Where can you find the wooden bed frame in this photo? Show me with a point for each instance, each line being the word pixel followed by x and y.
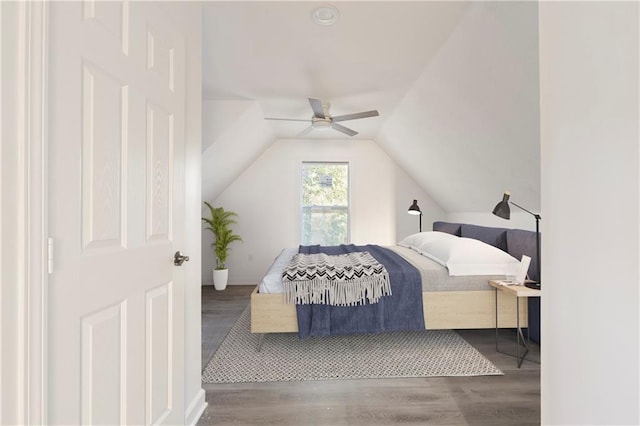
pixel 442 310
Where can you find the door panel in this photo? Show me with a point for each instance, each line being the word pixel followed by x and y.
pixel 104 143
pixel 159 353
pixel 159 172
pixel 116 137
pixel 103 346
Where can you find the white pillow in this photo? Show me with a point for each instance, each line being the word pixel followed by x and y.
pixel 466 256
pixel 416 240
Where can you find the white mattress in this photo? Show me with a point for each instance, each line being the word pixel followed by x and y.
pixel 435 277
pixel 272 281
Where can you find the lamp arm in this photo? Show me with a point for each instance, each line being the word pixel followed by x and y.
pixel 537 216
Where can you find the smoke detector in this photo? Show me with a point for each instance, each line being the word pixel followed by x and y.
pixel 325 15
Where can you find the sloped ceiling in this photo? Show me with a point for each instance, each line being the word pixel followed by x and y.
pixel 469 127
pixel 234 134
pixel 456 85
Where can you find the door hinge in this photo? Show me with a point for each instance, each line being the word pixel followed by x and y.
pixel 50 255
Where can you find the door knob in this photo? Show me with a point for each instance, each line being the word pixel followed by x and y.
pixel 179 259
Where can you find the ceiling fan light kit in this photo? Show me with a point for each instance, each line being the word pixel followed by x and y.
pixel 323 121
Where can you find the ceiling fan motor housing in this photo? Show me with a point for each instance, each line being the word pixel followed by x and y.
pixel 321 123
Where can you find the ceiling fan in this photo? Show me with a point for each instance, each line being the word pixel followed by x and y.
pixel 322 120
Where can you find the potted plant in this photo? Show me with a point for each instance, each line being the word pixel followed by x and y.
pixel 219 223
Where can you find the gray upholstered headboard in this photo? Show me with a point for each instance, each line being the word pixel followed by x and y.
pixel 516 242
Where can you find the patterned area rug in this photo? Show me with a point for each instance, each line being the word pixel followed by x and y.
pixel 284 357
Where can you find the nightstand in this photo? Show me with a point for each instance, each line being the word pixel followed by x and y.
pixel 517 291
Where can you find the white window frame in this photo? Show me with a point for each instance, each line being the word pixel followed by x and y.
pixel 346 208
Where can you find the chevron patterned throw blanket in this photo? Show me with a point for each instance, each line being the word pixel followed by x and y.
pixel 340 280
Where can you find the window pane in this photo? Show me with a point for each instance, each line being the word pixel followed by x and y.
pixel 325 227
pixel 325 203
pixel 325 184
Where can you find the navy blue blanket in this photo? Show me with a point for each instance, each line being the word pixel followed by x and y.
pixel 400 311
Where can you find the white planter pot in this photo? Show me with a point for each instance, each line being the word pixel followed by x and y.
pixel 220 277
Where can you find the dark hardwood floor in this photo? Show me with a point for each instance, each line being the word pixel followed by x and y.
pixel 512 399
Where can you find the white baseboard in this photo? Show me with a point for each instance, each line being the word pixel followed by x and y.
pixel 195 409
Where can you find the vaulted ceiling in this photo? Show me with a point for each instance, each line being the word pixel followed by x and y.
pixel 456 85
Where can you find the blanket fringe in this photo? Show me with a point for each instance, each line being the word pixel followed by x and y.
pixel 338 293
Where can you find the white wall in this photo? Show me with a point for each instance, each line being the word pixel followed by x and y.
pixel 468 128
pixel 234 134
pixel 589 73
pixel 406 191
pixel 267 198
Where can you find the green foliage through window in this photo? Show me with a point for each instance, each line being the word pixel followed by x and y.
pixel 325 203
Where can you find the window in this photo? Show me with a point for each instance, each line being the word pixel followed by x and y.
pixel 325 203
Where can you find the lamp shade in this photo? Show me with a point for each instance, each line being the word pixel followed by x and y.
pixel 414 208
pixel 502 208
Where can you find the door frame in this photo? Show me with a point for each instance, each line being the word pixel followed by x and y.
pixel 24 397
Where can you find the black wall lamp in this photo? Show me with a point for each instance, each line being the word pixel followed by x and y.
pixel 502 210
pixel 414 209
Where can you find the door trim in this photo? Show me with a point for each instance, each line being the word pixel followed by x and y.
pixel 24 229
pixel 32 207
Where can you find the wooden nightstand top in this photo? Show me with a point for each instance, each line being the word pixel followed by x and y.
pixel 516 290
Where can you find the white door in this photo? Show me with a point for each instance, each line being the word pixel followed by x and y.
pixel 116 118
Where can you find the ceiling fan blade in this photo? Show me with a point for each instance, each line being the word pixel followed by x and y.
pixel 304 132
pixel 288 119
pixel 356 115
pixel 316 106
pixel 345 130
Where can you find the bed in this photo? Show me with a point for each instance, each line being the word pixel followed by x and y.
pixel 458 306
